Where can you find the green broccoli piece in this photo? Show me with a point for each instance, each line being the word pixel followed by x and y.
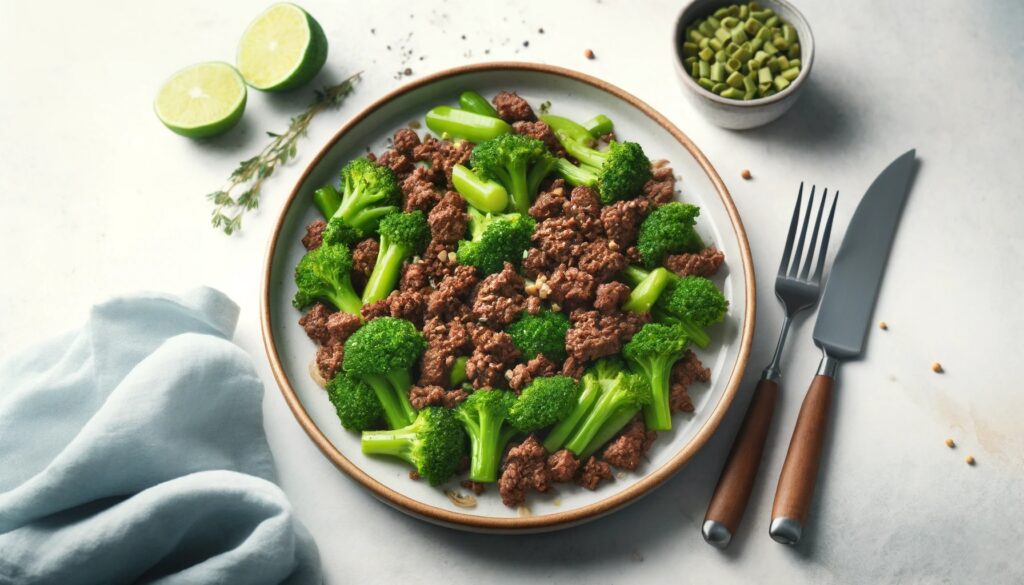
pixel 618 395
pixel 619 172
pixel 369 192
pixel 380 353
pixel 325 273
pixel 356 402
pixel 654 350
pixel 402 235
pixel 691 302
pixel 485 417
pixel 543 333
pixel 544 402
pixel 517 162
pixel 494 240
pixel 485 195
pixel 433 444
pixel 668 230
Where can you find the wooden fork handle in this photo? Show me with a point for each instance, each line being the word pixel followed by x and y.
pixel 800 471
pixel 729 501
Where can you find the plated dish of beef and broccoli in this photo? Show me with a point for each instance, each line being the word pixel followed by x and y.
pixel 509 300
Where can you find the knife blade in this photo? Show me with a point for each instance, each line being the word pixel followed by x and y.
pixel 840 330
pixel 856 275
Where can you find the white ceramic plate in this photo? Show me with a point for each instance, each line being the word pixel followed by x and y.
pixel 577 96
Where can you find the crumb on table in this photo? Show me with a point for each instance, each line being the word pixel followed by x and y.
pixel 950 443
pixel 589 54
pixel 746 174
pixel 883 325
pixel 969 460
pixel 937 367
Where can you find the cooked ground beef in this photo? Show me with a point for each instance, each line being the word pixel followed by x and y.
pixel 499 298
pixel 405 141
pixel 364 258
pixel 523 374
pixel 540 131
pixel 414 278
pixel 329 358
pixel 314 234
pixel 314 322
pixel 524 470
pixel 473 486
pixel 621 220
pixel 626 450
pixel 340 325
pixel 493 355
pixel 594 334
pixel 571 288
pixel 408 305
pixel 533 305
pixel 600 260
pixel 448 300
pixel 661 188
pixel 424 396
pixel 573 367
pixel 562 466
pixel 401 164
pixel 439 260
pixel 419 191
pixel 593 472
pixel 685 372
pixel 448 219
pixel 583 204
pixel 610 297
pixel 513 108
pixel 550 202
pixel 703 263
pixel 441 156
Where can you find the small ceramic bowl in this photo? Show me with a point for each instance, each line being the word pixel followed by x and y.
pixel 743 114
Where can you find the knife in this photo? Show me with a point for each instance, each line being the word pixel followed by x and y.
pixel 840 330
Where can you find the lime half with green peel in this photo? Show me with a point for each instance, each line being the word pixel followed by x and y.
pixel 201 100
pixel 282 49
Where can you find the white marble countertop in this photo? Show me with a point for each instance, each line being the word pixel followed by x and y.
pixel 98 198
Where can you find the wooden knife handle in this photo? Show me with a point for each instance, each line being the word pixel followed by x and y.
pixel 737 480
pixel 800 471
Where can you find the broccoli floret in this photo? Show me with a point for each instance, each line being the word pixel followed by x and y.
pixel 380 353
pixel 668 230
pixel 356 403
pixel 484 415
pixel 369 192
pixel 653 350
pixel 402 235
pixel 691 302
pixel 617 396
pixel 325 274
pixel 433 443
pixel 494 240
pixel 517 162
pixel 543 333
pixel 619 172
pixel 544 402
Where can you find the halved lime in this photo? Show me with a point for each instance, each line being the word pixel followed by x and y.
pixel 201 100
pixel 282 49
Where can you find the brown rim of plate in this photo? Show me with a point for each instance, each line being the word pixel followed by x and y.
pixel 522 523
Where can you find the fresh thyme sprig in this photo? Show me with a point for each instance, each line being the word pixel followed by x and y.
pixel 251 173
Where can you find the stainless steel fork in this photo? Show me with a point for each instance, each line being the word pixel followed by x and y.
pixel 797 288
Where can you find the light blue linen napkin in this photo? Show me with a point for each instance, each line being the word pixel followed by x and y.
pixel 133 450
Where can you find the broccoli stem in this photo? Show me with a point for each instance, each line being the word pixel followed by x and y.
pixel 398 411
pixel 695 333
pixel 487 196
pixel 458 373
pixel 599 125
pixel 646 292
pixel 609 429
pixel 471 101
pixel 519 195
pixel 486 443
pixel 657 413
pixel 560 433
pixel 327 200
pixel 540 170
pixel 385 272
pixel 466 125
pixel 568 129
pixel 607 405
pixel 574 175
pixel 345 298
pixel 396 443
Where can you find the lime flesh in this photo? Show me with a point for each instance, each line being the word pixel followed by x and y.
pixel 201 100
pixel 282 49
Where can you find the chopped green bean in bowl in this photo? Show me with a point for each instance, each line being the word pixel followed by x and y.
pixel 742 64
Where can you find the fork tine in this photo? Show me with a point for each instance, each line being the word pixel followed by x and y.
pixel 803 234
pixel 814 236
pixel 784 265
pixel 824 240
